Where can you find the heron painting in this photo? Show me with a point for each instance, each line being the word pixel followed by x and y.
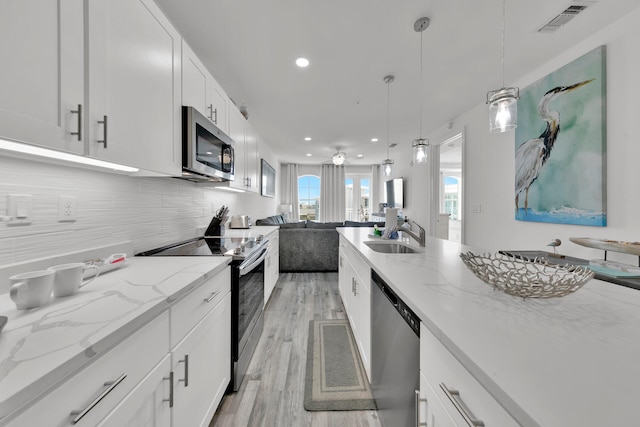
pixel 560 145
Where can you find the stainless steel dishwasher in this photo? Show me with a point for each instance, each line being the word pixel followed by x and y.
pixel 395 356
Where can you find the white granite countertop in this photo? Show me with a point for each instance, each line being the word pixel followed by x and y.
pixel 42 346
pixel 557 362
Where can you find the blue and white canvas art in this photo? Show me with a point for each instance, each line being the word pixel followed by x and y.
pixel 560 145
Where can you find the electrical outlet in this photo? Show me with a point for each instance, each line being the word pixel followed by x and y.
pixel 67 209
pixel 476 208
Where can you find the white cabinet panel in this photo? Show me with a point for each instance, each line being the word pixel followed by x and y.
pixel 354 281
pixel 148 405
pixel 134 69
pixel 469 398
pixel 112 376
pixel 272 266
pixel 190 310
pixel 42 72
pixel 202 367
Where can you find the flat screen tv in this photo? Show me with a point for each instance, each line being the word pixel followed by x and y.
pixel 394 189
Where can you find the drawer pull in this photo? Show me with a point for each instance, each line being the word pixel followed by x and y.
pixel 186 370
pixel 170 399
pixel 460 406
pixel 79 113
pixel 110 385
pixel 211 297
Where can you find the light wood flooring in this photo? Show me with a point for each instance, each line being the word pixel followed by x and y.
pixel 272 393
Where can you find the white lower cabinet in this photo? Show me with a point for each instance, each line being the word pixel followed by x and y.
pixel 453 396
pixel 354 282
pixel 201 363
pixel 149 404
pixel 93 392
pixel 272 266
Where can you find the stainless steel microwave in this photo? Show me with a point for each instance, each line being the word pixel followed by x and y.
pixel 207 152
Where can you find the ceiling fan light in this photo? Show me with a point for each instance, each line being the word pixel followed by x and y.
pixel 420 150
pixel 338 158
pixel 387 165
pixel 503 109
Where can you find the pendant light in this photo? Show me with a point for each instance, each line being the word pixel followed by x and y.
pixel 387 164
pixel 503 103
pixel 420 145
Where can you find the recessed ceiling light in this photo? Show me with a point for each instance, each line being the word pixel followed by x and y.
pixel 307 139
pixel 374 139
pixel 360 156
pixel 308 154
pixel 302 62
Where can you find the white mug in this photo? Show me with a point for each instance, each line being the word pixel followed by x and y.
pixel 32 289
pixel 68 278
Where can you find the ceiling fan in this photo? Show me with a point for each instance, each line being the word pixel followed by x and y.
pixel 338 158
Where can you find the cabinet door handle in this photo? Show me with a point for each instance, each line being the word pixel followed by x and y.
pixel 355 287
pixel 340 262
pixel 418 401
pixel 78 111
pixel 210 108
pixel 460 407
pixel 215 111
pixel 104 123
pixel 170 399
pixel 109 386
pixel 186 370
pixel 211 297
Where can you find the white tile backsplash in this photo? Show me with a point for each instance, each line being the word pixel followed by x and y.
pixel 112 208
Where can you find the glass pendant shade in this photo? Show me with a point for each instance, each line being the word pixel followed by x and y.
pixel 386 167
pixel 503 109
pixel 420 147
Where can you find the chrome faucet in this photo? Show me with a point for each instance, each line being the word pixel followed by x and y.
pixel 421 238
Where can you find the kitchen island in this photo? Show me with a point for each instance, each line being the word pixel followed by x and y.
pixel 42 347
pixel 547 362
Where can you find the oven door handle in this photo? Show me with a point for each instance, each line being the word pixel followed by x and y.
pixel 244 269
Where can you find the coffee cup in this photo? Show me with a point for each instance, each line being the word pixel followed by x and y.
pixel 32 289
pixel 69 278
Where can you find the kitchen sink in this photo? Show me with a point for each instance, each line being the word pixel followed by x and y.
pixel 391 247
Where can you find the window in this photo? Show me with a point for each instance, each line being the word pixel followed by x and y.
pixel 358 197
pixel 309 197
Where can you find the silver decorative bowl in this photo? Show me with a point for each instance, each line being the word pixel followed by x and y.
pixel 527 279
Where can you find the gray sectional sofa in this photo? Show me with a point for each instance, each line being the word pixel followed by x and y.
pixel 309 245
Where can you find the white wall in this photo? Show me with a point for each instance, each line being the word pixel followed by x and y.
pixel 111 208
pixel 256 205
pixel 489 158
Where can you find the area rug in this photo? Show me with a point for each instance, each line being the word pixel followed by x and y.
pixel 336 379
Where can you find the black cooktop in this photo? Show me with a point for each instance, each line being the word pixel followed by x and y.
pixel 200 246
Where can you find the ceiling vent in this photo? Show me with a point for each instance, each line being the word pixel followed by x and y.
pixel 574 8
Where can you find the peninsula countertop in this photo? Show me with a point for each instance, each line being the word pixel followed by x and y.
pixel 42 346
pixel 568 361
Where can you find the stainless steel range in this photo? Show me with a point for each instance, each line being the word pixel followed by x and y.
pixel 247 290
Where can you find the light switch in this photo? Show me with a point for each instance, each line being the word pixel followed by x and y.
pixel 19 209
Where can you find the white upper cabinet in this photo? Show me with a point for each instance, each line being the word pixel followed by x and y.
pixel 237 128
pixel 134 115
pixel 201 91
pixel 42 72
pixel 252 162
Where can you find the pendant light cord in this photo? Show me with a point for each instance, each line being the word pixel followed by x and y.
pixel 388 116
pixel 504 13
pixel 421 85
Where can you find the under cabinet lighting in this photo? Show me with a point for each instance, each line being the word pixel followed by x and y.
pixel 235 190
pixel 17 147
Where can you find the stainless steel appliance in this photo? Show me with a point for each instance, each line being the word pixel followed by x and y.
pixel 395 356
pixel 207 152
pixel 247 290
pixel 240 221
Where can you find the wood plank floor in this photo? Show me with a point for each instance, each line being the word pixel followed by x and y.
pixel 272 393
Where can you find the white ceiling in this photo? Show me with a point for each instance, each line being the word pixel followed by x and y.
pixel 340 100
